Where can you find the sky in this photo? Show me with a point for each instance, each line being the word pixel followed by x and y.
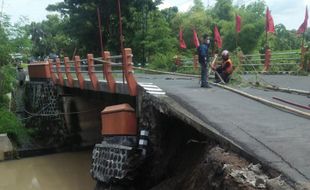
pixel 288 12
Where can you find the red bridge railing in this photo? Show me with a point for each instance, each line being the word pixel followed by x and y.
pixel 104 66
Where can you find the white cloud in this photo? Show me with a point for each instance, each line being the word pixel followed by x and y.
pixel 33 9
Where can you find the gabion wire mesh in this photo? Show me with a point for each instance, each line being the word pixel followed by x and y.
pixel 110 162
pixel 43 108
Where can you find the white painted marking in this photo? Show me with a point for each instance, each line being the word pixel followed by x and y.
pixel 154 89
pixel 150 86
pixel 156 93
pixel 145 83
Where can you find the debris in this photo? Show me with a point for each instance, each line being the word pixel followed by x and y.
pixel 278 184
pixel 251 175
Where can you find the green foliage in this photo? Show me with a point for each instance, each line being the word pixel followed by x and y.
pixel 5 47
pixel 12 126
pixel 50 36
pixel 162 61
pixel 223 10
pixel 7 81
pixel 151 32
pixel 159 37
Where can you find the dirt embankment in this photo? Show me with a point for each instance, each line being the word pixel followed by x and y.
pixel 180 157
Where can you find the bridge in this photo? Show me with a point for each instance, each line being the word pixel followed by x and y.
pixel 246 120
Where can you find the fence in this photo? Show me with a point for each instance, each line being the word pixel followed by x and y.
pixel 256 63
pixel 106 65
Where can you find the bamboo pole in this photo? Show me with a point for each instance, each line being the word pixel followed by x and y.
pixel 287 90
pixel 217 74
pixel 291 103
pixel 267 102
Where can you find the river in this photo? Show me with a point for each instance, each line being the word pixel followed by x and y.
pixel 64 171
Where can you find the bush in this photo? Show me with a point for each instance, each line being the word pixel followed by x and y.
pixel 163 62
pixel 7 82
pixel 12 126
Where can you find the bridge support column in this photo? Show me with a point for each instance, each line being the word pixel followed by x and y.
pixel 116 156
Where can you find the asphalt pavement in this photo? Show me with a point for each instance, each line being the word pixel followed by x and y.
pixel 275 137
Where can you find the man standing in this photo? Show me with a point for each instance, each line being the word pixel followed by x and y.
pixel 225 69
pixel 20 91
pixel 203 59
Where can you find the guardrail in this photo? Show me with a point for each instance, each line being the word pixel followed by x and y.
pixel 102 65
pixel 270 60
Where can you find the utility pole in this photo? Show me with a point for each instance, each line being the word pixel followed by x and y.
pixel 144 24
pixel 121 36
pixel 1 15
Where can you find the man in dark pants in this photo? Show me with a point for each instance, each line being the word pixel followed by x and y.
pixel 203 59
pixel 225 69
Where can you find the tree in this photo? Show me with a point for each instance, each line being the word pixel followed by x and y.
pixel 223 10
pixel 160 38
pixel 83 26
pixel 49 36
pixel 20 41
pixel 5 46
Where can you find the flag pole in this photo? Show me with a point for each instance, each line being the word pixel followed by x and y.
pixel 266 26
pixel 237 35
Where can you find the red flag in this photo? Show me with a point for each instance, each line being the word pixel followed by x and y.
pixel 238 23
pixel 195 38
pixel 304 25
pixel 182 42
pixel 269 22
pixel 217 37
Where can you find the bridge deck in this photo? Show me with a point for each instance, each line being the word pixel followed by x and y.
pixel 274 137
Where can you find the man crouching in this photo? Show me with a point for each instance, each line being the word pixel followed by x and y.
pixel 225 69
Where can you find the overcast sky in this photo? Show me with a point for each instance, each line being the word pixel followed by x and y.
pixel 289 12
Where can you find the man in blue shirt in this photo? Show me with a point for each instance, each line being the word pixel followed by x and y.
pixel 203 60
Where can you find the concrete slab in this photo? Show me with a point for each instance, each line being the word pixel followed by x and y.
pixel 6 147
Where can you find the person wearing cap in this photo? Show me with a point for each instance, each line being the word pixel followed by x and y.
pixel 21 75
pixel 225 69
pixel 203 59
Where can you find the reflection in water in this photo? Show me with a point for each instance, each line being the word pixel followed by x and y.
pixel 65 171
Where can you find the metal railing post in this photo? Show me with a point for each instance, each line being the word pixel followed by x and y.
pixel 128 71
pixel 79 75
pixel 68 74
pixel 54 78
pixel 107 71
pixel 59 72
pixel 91 73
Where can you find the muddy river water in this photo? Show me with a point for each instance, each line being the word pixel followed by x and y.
pixel 64 171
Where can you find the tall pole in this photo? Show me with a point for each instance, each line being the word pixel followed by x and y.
pixel 266 38
pixel 237 39
pixel 143 34
pixel 100 32
pixel 121 33
pixel 237 33
pixel 303 51
pixel 2 5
